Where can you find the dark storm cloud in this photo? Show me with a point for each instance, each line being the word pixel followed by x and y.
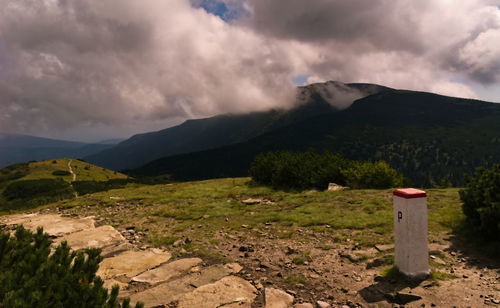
pixel 448 34
pixel 123 63
pixel 380 23
pixel 73 63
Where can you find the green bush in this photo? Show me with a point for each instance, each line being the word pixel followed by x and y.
pixel 378 175
pixel 90 187
pixel 40 191
pixel 33 276
pixel 14 172
pixel 61 173
pixel 481 201
pixel 289 170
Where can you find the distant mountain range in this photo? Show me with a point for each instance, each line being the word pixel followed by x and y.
pixel 210 133
pixel 434 140
pixel 21 148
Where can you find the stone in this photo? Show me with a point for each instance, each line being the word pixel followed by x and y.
pixel 234 268
pixel 383 248
pixel 351 257
pixel 439 261
pixel 167 271
pixel 405 296
pixel 105 237
pixel 131 263
pixel 252 201
pixel 322 304
pixel 53 224
pixel 303 305
pixel 228 292
pixel 335 187
pixel 276 298
pixel 169 291
pixel 178 243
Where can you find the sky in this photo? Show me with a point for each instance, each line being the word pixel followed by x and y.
pixel 98 69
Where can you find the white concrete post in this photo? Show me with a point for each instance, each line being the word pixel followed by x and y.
pixel 410 232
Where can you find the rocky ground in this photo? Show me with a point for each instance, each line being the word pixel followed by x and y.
pixel 268 270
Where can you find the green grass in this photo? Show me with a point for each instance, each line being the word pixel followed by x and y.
pixel 392 272
pixel 201 209
pixel 295 279
pixel 84 171
pixel 437 275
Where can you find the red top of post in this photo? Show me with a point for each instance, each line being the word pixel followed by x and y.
pixel 410 193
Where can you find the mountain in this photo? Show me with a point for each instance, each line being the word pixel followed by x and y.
pixel 22 148
pixel 222 130
pixel 434 140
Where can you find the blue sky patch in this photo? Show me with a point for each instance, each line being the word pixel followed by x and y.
pixel 300 80
pixel 219 8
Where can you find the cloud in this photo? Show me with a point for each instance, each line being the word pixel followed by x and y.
pixel 119 62
pixel 448 37
pixel 140 65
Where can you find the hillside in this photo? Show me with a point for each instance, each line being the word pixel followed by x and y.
pixel 21 148
pixel 214 132
pixel 48 179
pixel 432 139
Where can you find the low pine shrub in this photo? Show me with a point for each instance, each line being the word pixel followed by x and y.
pixel 14 172
pixel 287 170
pixel 39 191
pixel 61 173
pixel 33 276
pixel 481 201
pixel 378 175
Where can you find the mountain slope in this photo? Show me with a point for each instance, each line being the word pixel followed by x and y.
pixel 47 181
pixel 22 148
pixel 214 132
pixel 432 139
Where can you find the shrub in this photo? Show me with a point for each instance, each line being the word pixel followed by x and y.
pixel 33 276
pixel 61 173
pixel 481 201
pixel 298 170
pixel 14 172
pixel 40 191
pixel 89 187
pixel 378 175
pixel 288 170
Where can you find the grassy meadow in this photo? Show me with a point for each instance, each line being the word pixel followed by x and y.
pixel 200 209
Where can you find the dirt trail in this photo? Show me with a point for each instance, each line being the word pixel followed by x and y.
pixel 71 171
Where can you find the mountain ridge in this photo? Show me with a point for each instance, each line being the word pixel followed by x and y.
pixel 221 130
pixel 433 139
pixel 16 148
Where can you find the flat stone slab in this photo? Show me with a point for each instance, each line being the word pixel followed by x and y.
pixel 167 292
pixel 230 291
pixel 132 263
pixel 167 271
pixel 52 224
pixel 104 237
pixel 276 298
